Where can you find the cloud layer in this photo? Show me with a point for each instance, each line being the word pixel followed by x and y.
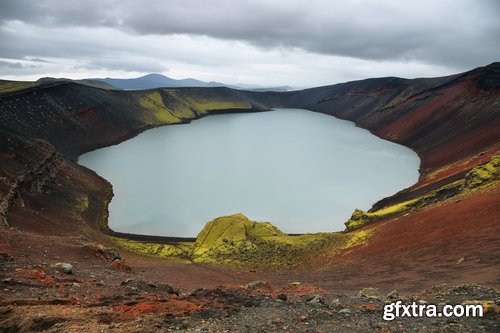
pixel 235 40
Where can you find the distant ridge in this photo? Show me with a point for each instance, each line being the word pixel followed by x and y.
pixel 152 81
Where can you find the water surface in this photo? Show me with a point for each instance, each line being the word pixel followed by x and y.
pixel 303 171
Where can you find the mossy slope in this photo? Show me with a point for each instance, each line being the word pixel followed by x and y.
pixel 174 250
pixel 477 177
pixel 236 240
pixel 223 235
pixel 483 174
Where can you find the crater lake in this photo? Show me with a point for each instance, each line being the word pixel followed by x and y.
pixel 300 170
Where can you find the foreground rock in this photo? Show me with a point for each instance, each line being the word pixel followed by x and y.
pixel 151 308
pixel 160 296
pixel 64 267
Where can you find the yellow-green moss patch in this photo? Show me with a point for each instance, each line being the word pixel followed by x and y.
pixel 237 240
pixel 477 177
pixel 357 238
pixel 483 174
pixel 186 104
pixel 80 203
pixel 12 86
pixel 159 113
pixel 174 250
pixel 359 218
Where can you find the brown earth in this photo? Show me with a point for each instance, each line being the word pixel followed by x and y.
pixel 53 210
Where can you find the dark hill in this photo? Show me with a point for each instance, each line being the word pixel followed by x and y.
pixel 152 81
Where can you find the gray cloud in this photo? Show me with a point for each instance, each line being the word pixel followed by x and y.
pixel 37 60
pixel 460 33
pixel 134 64
pixel 453 34
pixel 11 65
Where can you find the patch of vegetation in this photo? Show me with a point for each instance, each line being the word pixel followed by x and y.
pixel 204 106
pixel 152 101
pixel 237 240
pixel 478 177
pixel 173 106
pixel 360 218
pixel 188 103
pixel 483 174
pixel 358 238
pixel 223 234
pixel 12 86
pixel 179 250
pixel 80 204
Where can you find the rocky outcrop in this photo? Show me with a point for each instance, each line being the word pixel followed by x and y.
pixel 42 191
pixel 237 240
pixel 225 235
pixel 483 174
pixel 28 166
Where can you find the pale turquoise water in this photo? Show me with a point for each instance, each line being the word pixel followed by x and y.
pixel 303 171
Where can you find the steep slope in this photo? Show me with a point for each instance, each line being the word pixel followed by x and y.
pixel 65 119
pixel 44 192
pixel 424 114
pixel 76 118
pixel 451 122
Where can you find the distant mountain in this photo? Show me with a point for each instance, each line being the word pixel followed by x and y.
pixel 152 81
pixel 264 89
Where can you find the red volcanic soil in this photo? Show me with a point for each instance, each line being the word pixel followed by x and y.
pixel 454 242
pixel 408 253
pixel 451 242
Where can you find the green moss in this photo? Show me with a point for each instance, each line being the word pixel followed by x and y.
pixel 396 208
pixel 173 106
pixel 179 250
pixel 204 106
pixel 12 86
pixel 80 204
pixel 224 234
pixel 202 103
pixel 479 176
pixel 483 174
pixel 237 240
pixel 158 112
pixel 360 218
pixel 358 238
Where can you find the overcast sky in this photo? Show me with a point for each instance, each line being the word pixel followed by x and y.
pixel 264 42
